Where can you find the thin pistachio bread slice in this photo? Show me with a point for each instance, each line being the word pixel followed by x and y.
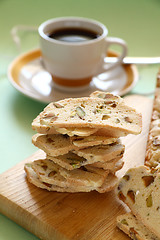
pixel 53 144
pixel 90 155
pixel 113 165
pixel 93 140
pixel 134 228
pixel 106 95
pixel 101 153
pixel 72 161
pixel 116 118
pixel 109 183
pixel 69 161
pixel 51 173
pixel 139 188
pixel 78 131
pixel 35 180
pixel 58 144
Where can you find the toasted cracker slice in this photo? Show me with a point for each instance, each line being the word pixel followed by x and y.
pixel 78 131
pixel 55 145
pixel 69 161
pixel 83 142
pixel 90 155
pixel 86 175
pixel 101 153
pixel 45 172
pixel 134 228
pixel 32 177
pixel 43 129
pixel 107 96
pixel 113 165
pixel 109 184
pixel 51 173
pixel 116 118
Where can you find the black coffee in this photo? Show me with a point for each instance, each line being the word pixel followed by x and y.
pixel 73 35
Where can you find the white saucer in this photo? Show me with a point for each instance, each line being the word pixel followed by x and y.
pixel 27 74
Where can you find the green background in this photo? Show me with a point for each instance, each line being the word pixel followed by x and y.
pixel 137 22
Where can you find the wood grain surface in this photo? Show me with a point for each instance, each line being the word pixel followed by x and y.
pixel 76 216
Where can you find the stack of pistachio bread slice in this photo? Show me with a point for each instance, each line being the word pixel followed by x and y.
pixel 81 140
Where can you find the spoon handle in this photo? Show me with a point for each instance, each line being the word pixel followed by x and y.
pixel 135 60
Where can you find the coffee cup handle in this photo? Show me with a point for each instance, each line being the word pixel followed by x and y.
pixel 111 41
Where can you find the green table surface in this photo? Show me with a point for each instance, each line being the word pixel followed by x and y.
pixel 137 22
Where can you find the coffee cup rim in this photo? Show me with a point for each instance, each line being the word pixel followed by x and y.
pixel 42 34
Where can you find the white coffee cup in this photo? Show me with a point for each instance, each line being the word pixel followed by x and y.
pixel 73 64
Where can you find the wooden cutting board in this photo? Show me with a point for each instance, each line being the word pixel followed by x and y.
pixel 76 216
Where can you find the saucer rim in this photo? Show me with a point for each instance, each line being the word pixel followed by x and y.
pixel 24 58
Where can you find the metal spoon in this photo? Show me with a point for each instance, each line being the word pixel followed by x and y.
pixel 135 60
